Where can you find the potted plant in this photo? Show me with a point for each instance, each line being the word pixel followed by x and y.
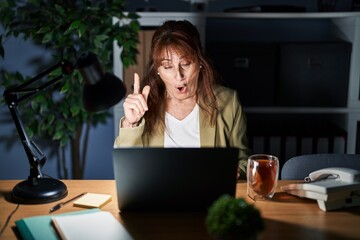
pixel 66 29
pixel 233 218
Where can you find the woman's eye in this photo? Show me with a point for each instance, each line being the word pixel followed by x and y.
pixel 185 64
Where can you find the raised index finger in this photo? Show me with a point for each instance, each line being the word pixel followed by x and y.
pixel 136 83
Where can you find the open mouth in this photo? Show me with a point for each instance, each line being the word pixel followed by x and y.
pixel 182 89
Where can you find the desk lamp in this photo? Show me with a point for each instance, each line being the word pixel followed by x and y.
pixel 100 91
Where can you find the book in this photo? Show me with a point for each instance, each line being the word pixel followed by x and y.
pixel 258 144
pixel 339 144
pixel 275 145
pixel 96 225
pixel 41 228
pixel 92 200
pixel 290 147
pixel 306 146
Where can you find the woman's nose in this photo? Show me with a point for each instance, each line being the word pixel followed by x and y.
pixel 179 75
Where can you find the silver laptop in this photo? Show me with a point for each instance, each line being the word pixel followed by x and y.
pixel 173 179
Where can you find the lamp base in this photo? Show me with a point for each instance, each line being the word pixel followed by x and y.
pixel 44 191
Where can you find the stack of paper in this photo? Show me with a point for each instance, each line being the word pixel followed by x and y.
pixel 93 200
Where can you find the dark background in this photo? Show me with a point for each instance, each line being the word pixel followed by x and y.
pixel 13 161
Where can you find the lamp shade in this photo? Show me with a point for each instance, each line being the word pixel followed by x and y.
pixel 101 90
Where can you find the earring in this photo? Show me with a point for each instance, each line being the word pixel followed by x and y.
pixel 158 73
pixel 200 66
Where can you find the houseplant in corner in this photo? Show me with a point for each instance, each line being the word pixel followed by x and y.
pixel 66 29
pixel 231 218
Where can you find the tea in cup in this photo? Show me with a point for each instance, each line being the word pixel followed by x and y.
pixel 262 176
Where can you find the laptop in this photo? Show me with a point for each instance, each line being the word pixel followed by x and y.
pixel 173 179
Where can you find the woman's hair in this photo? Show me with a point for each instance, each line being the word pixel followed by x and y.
pixel 183 38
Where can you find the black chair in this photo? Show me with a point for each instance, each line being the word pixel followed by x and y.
pixel 299 167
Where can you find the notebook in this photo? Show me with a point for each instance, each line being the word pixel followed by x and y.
pixel 96 225
pixel 173 179
pixel 41 228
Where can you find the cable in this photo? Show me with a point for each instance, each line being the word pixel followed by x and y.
pixel 8 219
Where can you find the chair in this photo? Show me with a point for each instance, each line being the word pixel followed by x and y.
pixel 299 167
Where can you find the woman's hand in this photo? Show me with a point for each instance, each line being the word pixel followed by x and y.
pixel 135 104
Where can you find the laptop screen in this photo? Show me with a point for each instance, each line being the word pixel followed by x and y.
pixel 173 179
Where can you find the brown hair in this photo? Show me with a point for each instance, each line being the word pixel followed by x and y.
pixel 183 38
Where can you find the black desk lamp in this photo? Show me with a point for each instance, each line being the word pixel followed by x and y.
pixel 101 91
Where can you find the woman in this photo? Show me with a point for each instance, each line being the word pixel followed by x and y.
pixel 179 102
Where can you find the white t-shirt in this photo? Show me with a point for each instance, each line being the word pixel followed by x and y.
pixel 182 133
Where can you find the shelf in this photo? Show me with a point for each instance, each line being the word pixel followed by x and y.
pixel 303 15
pixel 247 15
pixel 301 110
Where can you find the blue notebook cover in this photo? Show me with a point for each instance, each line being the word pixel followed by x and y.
pixel 40 227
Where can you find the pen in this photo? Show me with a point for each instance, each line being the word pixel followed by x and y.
pixel 59 205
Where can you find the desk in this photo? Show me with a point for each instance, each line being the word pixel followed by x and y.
pixel 286 217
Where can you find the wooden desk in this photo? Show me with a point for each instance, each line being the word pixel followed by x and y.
pixel 286 217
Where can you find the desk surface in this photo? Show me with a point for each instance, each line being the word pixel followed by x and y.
pixel 286 217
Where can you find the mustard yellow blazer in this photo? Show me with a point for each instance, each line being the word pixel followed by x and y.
pixel 229 129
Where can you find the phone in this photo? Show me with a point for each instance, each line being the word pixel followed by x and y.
pixel 333 188
pixel 342 174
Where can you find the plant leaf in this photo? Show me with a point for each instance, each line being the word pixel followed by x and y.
pixel 48 37
pixel 75 109
pixel 65 88
pixel 74 25
pixel 58 135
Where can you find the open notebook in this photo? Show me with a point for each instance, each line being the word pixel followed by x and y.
pixel 173 179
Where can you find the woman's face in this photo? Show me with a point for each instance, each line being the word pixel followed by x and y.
pixel 180 75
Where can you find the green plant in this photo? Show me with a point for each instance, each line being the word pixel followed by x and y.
pixel 67 28
pixel 230 217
